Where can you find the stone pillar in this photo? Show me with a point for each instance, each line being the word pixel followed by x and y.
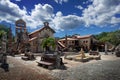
pixel 97 49
pixel 57 60
pixel 106 49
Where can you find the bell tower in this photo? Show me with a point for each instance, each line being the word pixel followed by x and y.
pixel 46 24
pixel 21 35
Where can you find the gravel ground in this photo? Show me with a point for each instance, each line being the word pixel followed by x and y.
pixel 101 70
pixel 106 69
pixel 24 70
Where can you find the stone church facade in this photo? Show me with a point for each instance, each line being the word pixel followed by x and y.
pixel 36 37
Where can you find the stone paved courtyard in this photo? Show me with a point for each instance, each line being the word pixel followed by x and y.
pixel 106 69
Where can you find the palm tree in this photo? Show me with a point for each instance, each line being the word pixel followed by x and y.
pixel 47 43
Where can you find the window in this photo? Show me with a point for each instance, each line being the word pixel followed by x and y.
pixel 72 41
pixel 83 41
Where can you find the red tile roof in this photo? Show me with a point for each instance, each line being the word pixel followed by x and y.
pixel 82 37
pixel 71 39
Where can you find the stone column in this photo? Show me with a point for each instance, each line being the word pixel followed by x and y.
pixel 106 53
pixel 57 60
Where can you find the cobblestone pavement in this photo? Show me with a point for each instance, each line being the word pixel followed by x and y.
pixel 106 69
pixel 24 70
pixel 101 70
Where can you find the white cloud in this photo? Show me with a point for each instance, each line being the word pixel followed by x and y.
pixel 10 11
pixel 38 15
pixel 42 12
pixel 79 7
pixel 86 2
pixel 66 22
pixel 18 0
pixel 60 1
pixel 102 12
pixel 59 14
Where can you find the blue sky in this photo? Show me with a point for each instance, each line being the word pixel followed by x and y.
pixel 64 16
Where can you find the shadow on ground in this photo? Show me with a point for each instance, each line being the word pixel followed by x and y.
pixel 5 66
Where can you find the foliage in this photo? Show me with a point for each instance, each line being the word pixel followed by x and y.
pixel 3 31
pixel 112 37
pixel 4 28
pixel 47 42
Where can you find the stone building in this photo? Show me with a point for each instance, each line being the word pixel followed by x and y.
pixel 28 42
pixel 36 37
pixel 87 42
pixel 21 37
pixel 67 43
pixel 70 41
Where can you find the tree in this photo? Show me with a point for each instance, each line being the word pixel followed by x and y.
pixel 2 33
pixel 112 37
pixel 48 42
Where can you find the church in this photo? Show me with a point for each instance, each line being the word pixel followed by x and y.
pixel 25 41
pixel 36 37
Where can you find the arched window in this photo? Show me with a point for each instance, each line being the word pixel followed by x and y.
pixel 83 41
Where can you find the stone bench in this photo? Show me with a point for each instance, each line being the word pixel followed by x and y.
pixel 96 57
pixel 45 64
pixel 48 61
pixel 28 56
pixel 24 58
pixel 93 53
